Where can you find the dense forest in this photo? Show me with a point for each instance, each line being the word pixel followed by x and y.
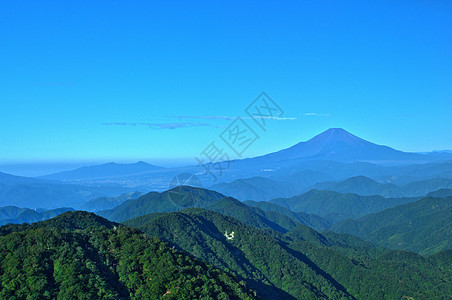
pixel 222 248
pixel 302 262
pixel 81 256
pixel 424 226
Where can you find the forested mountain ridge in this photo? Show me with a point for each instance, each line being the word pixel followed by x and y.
pixel 172 200
pixel 301 263
pixel 243 250
pixel 310 220
pixel 262 249
pixel 336 206
pixel 187 196
pixel 102 260
pixel 424 226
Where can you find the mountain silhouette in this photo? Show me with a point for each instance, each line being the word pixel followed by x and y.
pixel 107 170
pixel 337 144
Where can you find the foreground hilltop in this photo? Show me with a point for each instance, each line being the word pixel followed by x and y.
pixel 80 255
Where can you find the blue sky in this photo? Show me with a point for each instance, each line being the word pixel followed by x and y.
pixel 69 69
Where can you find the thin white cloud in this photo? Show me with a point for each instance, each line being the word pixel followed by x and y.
pixel 313 114
pixel 161 126
pixel 201 117
pixel 175 125
pixel 232 118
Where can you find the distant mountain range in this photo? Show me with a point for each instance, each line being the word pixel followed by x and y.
pixel 335 206
pixel 17 215
pixel 266 189
pixel 365 186
pixel 108 170
pixel 334 155
pixel 441 193
pixel 256 188
pixel 49 194
pixel 8 179
pixel 322 162
pixel 105 203
pixel 424 226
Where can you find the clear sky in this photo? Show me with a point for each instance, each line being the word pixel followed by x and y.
pixel 70 69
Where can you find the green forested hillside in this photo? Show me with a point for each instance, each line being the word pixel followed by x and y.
pixel 335 206
pixel 310 220
pixel 260 258
pixel 424 226
pixel 186 196
pixel 253 216
pixel 301 263
pixel 172 200
pixel 102 260
pixel 266 253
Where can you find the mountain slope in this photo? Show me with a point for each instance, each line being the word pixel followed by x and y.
pixel 424 226
pixel 186 197
pixel 8 179
pixel 103 261
pixel 365 186
pixel 172 200
pixel 13 214
pixel 335 206
pixel 311 220
pixel 243 250
pixel 253 216
pixel 302 263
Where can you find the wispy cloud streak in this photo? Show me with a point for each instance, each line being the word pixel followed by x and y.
pixel 232 118
pixel 176 125
pixel 201 117
pixel 161 126
pixel 313 114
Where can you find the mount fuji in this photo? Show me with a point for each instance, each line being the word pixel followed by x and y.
pixel 337 144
